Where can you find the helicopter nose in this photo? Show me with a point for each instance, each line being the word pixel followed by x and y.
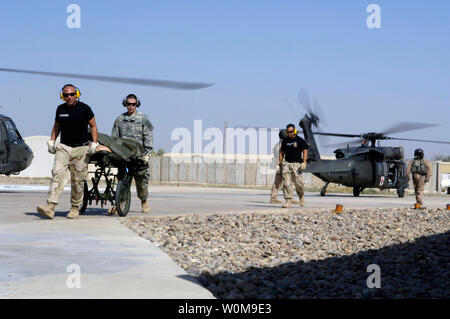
pixel 28 156
pixel 21 156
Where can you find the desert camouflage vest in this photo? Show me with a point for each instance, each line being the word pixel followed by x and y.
pixel 419 167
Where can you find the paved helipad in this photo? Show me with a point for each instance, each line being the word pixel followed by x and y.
pixel 51 258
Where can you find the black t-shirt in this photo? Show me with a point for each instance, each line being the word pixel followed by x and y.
pixel 73 121
pixel 293 149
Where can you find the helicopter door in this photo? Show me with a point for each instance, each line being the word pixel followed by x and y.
pixel 381 174
pixel 392 174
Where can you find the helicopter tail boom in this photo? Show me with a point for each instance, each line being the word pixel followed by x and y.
pixel 313 152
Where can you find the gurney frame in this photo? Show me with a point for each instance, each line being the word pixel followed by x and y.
pixel 119 196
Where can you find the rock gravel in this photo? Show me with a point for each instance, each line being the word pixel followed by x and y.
pixel 309 253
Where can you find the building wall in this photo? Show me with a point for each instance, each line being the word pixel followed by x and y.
pixel 240 170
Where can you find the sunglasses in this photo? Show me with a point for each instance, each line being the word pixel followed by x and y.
pixel 131 104
pixel 67 94
pixel 289 132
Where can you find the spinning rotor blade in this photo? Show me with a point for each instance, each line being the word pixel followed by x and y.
pixel 345 143
pixel 337 134
pixel 146 82
pixel 318 110
pixel 409 139
pixel 244 127
pixel 313 109
pixel 303 98
pixel 406 126
pixel 292 108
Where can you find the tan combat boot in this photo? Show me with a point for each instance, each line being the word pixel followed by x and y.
pixel 294 201
pixel 74 212
pixel 288 204
pixel 302 201
pixel 48 211
pixel 275 201
pixel 145 207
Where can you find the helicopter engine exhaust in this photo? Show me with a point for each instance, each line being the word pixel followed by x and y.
pixel 394 153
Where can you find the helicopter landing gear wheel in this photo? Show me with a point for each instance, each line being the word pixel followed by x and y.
pixel 123 197
pixel 324 189
pixel 357 191
pixel 85 199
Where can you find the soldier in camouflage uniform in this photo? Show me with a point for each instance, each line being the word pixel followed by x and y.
pixel 420 169
pixel 72 119
pixel 137 126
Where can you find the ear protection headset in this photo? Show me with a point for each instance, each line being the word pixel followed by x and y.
pixel 132 96
pixel 295 130
pixel 76 89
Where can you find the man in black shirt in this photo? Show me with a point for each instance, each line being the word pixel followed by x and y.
pixel 292 159
pixel 72 120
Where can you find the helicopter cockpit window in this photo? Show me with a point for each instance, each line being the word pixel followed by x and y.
pixel 11 130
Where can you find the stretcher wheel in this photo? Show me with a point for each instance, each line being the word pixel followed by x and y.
pixel 85 199
pixel 123 197
pixel 401 192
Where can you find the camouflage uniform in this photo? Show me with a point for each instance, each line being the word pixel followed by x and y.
pixel 278 181
pixel 76 160
pixel 290 171
pixel 421 173
pixel 139 128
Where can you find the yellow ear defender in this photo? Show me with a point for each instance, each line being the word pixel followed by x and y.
pixel 295 131
pixel 76 89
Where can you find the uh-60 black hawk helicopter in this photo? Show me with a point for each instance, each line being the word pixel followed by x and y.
pixel 15 155
pixel 364 166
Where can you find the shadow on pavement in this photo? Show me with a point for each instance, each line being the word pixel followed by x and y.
pixel 59 213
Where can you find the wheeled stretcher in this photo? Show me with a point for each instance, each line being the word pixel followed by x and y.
pixel 125 156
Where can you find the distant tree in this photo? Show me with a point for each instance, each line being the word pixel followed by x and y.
pixel 159 153
pixel 441 157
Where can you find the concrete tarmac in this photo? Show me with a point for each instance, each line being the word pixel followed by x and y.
pixel 42 258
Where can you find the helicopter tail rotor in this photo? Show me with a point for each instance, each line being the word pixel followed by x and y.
pixel 313 109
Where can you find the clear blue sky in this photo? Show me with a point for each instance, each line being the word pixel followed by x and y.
pixel 257 52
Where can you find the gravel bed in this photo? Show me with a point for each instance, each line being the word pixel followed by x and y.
pixel 309 253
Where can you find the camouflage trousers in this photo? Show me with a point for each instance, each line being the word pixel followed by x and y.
pixel 277 183
pixel 141 178
pixel 76 160
pixel 419 186
pixel 291 177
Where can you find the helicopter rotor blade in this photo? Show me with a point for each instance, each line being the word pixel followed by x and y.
pixel 416 140
pixel 337 134
pixel 319 111
pixel 303 99
pixel 407 126
pixel 292 108
pixel 138 81
pixel 245 127
pixel 345 143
